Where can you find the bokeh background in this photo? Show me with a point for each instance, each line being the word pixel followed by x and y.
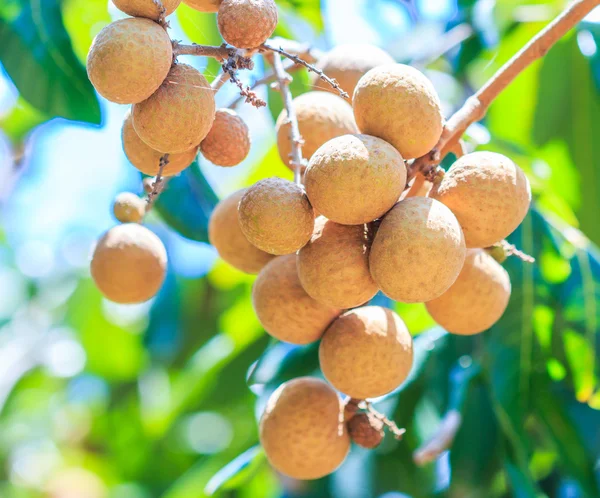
pixel 161 399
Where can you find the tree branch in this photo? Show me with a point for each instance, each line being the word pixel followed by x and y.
pixel 476 106
pixel 221 52
pixel 284 80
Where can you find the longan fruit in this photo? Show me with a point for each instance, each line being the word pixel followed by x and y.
pixel 477 299
pixel 334 266
pixel 488 193
pixel 204 5
pixel 275 216
pixel 418 251
pixel 284 308
pixel 367 352
pixel 300 429
pixel 225 234
pixel 348 63
pixel 146 8
pixel 129 264
pixel 179 115
pixel 321 116
pixel 354 179
pixel 129 208
pixel 129 59
pixel 228 141
pixel 247 23
pixel 399 104
pixel 146 159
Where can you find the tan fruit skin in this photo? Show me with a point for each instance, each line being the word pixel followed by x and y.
pixel 129 59
pixel 321 117
pixel 275 216
pixel 129 264
pixel 418 251
pixel 146 159
pixel 129 208
pixel 284 308
pixel 347 64
pixel 489 194
pixel 334 266
pixel 476 300
pixel 225 234
pixel 367 352
pixel 146 8
pixel 354 179
pixel 179 115
pixel 228 141
pixel 204 5
pixel 300 429
pixel 247 23
pixel 399 104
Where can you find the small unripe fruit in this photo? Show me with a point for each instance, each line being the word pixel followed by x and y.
pixel 146 8
pixel 365 430
pixel 226 236
pixel 247 23
pixel 301 431
pixel 284 308
pixel 146 159
pixel 129 264
pixel 321 117
pixel 179 115
pixel 129 59
pixel 367 352
pixel 275 216
pixel 334 266
pixel 129 208
pixel 418 251
pixel 228 141
pixel 399 104
pixel 347 64
pixel 204 5
pixel 354 179
pixel 477 299
pixel 488 193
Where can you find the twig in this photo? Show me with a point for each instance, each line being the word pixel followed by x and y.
pixel 221 52
pixel 284 80
pixel 511 250
pixel 159 183
pixel 441 440
pixel 476 106
pixel 161 13
pixel 219 81
pixel 230 66
pixel 332 82
pixel 390 424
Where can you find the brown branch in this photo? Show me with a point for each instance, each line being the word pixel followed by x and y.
pixel 476 106
pixel 441 440
pixel 283 80
pixel 159 182
pixel 219 81
pixel 221 52
pixel 230 66
pixel 332 82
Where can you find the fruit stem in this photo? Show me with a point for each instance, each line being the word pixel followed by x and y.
pixel 511 250
pixel 221 52
pixel 390 424
pixel 284 80
pixel 219 81
pixel 476 106
pixel 158 185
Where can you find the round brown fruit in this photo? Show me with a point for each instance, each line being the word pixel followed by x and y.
pixel 129 208
pixel 275 216
pixel 365 430
pixel 488 193
pixel 334 266
pixel 347 64
pixel 129 264
pixel 204 5
pixel 226 236
pixel 300 429
pixel 477 299
pixel 146 159
pixel 179 115
pixel 355 179
pixel 129 59
pixel 418 251
pixel 247 23
pixel 321 117
pixel 367 352
pixel 146 8
pixel 399 104
pixel 284 308
pixel 228 141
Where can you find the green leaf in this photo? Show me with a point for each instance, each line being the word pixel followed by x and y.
pixel 36 51
pixel 83 21
pixel 308 10
pixel 237 472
